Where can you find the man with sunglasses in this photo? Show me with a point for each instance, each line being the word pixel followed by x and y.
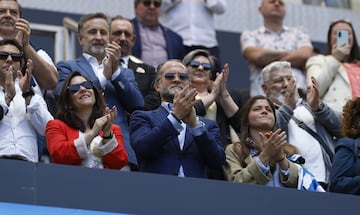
pixel 172 139
pixel 13 26
pixel 23 114
pixel 100 61
pixel 155 43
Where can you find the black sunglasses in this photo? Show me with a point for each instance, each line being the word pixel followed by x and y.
pixel 171 76
pixel 155 3
pixel 14 56
pixel 76 87
pixel 195 64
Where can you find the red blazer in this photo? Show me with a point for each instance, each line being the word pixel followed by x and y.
pixel 60 141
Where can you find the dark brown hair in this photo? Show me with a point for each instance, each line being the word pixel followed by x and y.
pixel 350 122
pixel 66 112
pixel 242 148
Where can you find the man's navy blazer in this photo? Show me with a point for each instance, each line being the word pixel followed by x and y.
pixel 155 141
pixel 121 92
pixel 174 42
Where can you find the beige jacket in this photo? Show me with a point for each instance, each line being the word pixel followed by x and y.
pixel 335 89
pixel 252 173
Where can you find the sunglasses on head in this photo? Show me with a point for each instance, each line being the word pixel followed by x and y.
pixel 147 3
pixel 171 76
pixel 195 64
pixel 14 56
pixel 76 87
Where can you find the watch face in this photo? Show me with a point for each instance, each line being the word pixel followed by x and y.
pixel 30 92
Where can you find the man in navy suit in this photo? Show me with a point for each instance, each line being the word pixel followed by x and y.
pixel 122 32
pixel 155 43
pixel 100 62
pixel 172 139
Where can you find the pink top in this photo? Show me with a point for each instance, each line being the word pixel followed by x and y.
pixel 353 72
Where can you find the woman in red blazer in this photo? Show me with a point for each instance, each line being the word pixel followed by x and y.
pixel 83 133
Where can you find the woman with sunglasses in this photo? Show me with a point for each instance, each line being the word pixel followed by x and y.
pixel 83 133
pixel 337 71
pixel 213 99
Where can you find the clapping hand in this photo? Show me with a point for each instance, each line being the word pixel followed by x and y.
pixel 184 101
pixel 24 31
pixel 312 96
pixel 104 123
pixel 272 145
pixel 113 56
pixel 9 85
pixel 291 94
pixel 25 79
pixel 219 85
pixel 110 116
pixel 224 77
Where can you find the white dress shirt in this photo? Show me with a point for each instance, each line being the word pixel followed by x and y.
pixel 196 25
pixel 19 126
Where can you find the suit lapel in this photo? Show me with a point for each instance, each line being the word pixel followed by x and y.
pixel 188 139
pixel 132 65
pixel 162 113
pixel 87 69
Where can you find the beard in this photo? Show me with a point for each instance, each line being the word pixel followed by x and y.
pixel 277 97
pixel 125 49
pixel 168 96
pixel 95 50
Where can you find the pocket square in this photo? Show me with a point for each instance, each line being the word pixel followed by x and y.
pixel 140 70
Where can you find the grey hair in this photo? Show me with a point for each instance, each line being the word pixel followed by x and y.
pixel 274 66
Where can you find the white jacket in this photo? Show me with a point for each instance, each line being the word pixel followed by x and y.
pixel 334 84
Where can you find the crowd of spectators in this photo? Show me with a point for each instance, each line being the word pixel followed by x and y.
pixel 143 96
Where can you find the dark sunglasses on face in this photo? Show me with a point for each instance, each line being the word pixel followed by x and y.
pixel 76 87
pixel 156 4
pixel 195 64
pixel 171 76
pixel 14 56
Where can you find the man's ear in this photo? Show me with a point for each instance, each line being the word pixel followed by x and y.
pixel 133 40
pixel 264 87
pixel 80 38
pixel 157 86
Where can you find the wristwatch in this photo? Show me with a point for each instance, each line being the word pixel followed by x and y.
pixel 108 137
pixel 30 92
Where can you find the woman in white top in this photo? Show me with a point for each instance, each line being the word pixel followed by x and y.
pixel 338 71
